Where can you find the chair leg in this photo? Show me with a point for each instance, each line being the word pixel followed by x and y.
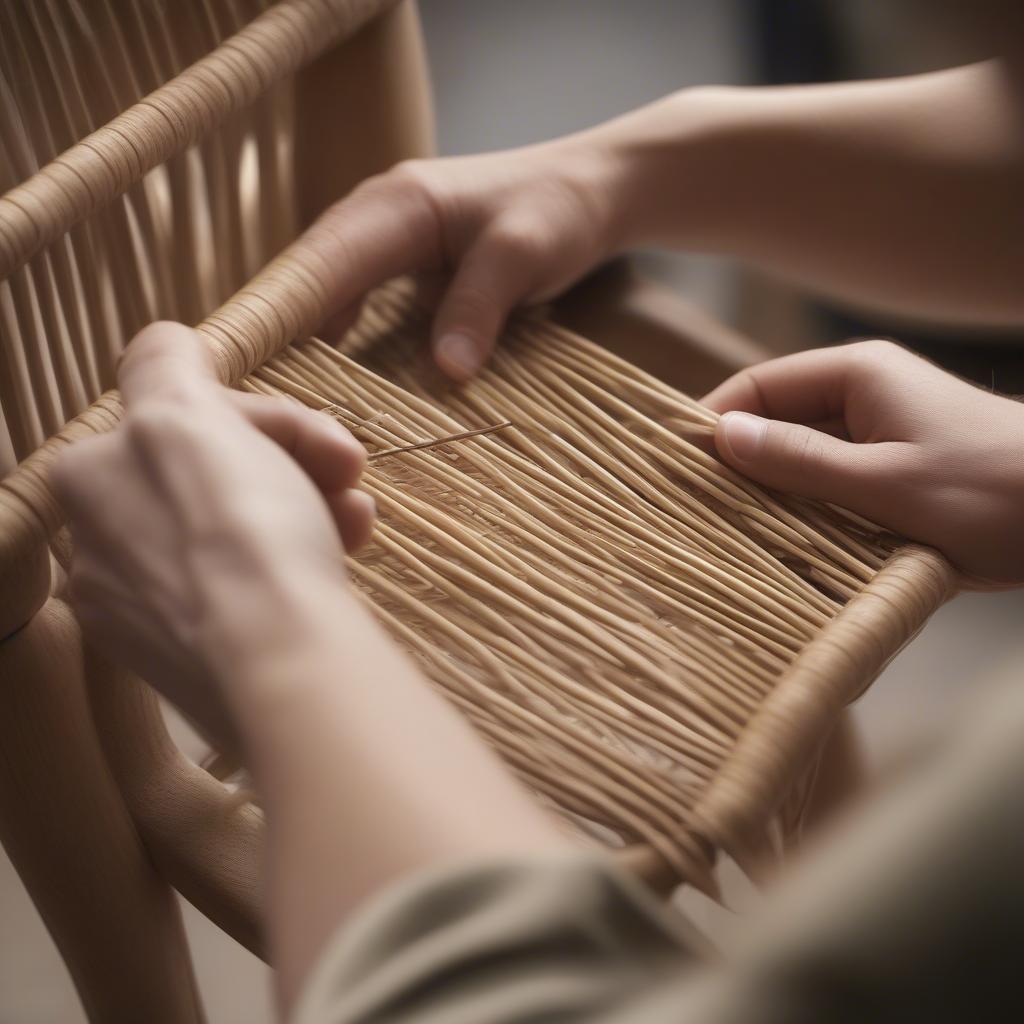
pixel 68 834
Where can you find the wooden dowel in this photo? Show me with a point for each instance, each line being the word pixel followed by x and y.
pixel 422 445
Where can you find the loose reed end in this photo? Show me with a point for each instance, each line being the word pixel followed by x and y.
pixel 435 442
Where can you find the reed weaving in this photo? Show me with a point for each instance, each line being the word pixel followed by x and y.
pixel 410 877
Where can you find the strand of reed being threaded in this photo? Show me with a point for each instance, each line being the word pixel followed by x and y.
pixel 435 442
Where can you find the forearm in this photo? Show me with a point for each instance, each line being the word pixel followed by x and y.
pixel 902 194
pixel 366 776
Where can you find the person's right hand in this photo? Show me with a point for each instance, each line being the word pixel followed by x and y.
pixel 878 430
pixel 502 229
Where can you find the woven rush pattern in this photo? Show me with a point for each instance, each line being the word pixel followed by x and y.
pixel 605 602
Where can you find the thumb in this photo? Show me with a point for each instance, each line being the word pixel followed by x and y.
pixel 797 459
pixel 493 276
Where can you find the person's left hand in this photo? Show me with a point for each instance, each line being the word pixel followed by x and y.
pixel 206 525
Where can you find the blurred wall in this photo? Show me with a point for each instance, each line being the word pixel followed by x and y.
pixel 506 73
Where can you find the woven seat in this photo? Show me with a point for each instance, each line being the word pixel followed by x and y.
pixel 655 645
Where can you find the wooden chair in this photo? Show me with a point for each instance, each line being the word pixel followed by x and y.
pixel 200 176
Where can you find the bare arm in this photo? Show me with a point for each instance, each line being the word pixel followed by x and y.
pixel 366 776
pixel 905 194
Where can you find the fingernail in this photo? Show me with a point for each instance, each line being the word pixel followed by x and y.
pixel 458 355
pixel 744 433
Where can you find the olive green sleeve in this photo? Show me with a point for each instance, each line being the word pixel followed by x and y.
pixel 561 940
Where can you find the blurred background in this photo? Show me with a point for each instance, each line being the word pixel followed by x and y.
pixel 511 73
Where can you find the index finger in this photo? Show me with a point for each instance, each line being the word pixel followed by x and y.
pixel 164 360
pixel 806 387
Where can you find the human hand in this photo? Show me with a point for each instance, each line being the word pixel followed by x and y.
pixel 206 524
pixel 496 230
pixel 874 428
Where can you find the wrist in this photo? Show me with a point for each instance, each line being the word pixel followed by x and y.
pixel 669 169
pixel 253 626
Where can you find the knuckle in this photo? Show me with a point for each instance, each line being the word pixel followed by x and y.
pixel 409 182
pixel 154 423
pixel 155 332
pixel 873 350
pixel 802 449
pixel 408 194
pixel 519 239
pixel 414 174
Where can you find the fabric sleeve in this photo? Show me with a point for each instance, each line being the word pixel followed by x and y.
pixel 564 940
